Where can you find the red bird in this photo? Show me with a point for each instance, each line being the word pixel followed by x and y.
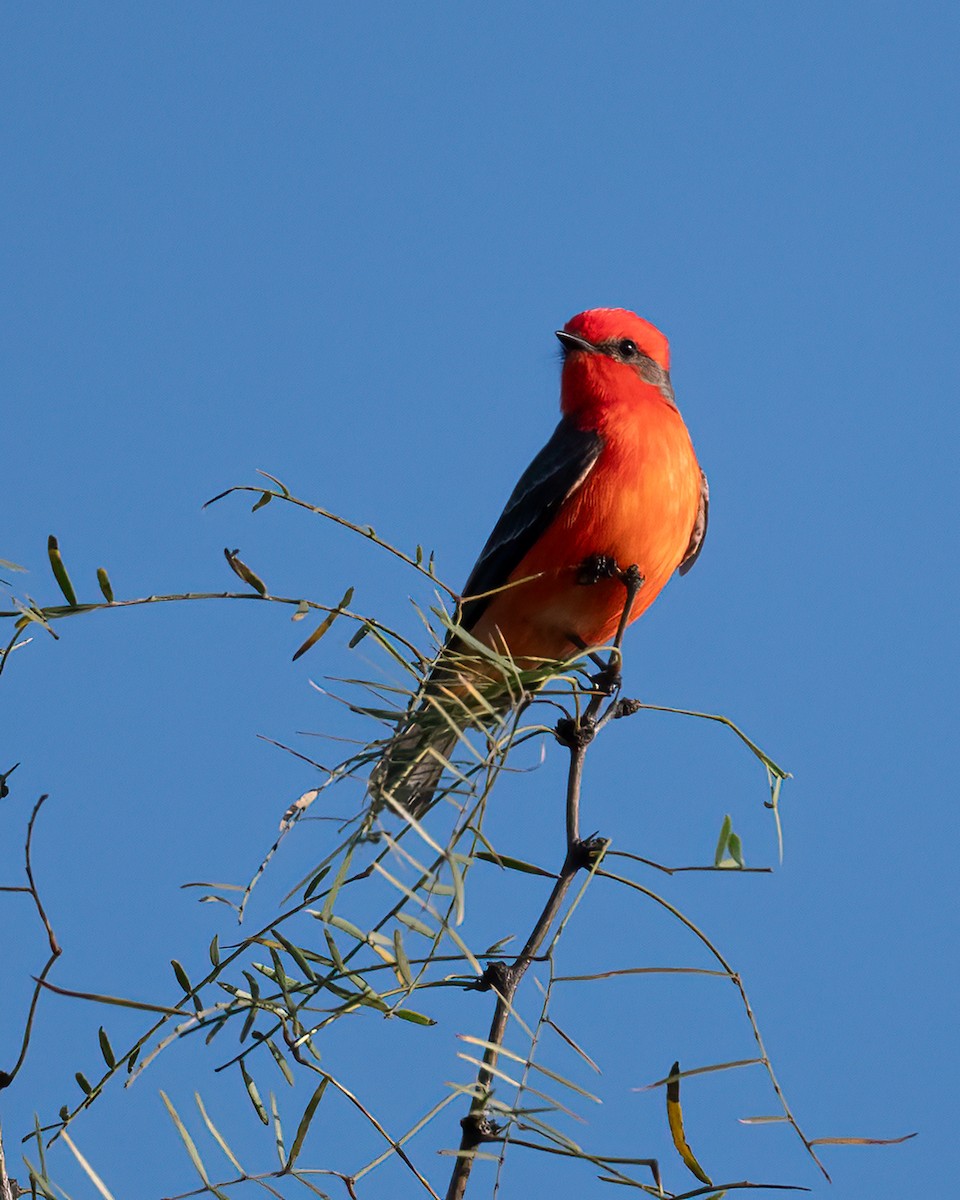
pixel 618 480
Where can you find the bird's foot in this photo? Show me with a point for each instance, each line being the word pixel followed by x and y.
pixel 607 680
pixel 499 976
pixel 631 578
pixel 585 852
pixel 479 1127
pixel 597 567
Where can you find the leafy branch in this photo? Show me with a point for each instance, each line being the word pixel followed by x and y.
pixel 324 958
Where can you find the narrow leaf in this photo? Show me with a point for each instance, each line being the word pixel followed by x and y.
pixel 254 1095
pixel 88 1170
pixel 722 840
pixel 415 1018
pixel 278 1131
pixel 188 1142
pixel 403 963
pixel 107 1050
pixel 37 1178
pixel 60 571
pixel 358 636
pixel 415 924
pixel 324 625
pixel 241 569
pixel 513 864
pixel 105 586
pixel 217 1135
pixel 296 954
pixel 182 977
pixel 675 1121
pixel 265 498
pixel 327 910
pixel 280 1060
pixel 855 1141
pixel 273 479
pixel 304 1125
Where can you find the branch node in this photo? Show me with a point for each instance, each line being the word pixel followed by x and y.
pixel 499 976
pixel 584 852
pixel 626 708
pixel 477 1127
pixel 575 734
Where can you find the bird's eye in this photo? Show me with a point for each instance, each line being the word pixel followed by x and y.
pixel 627 348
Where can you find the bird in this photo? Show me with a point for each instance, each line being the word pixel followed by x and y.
pixel 618 485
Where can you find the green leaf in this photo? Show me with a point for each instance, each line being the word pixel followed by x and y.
pixel 107 1050
pixel 736 849
pixel 265 498
pixel 403 963
pixel 722 841
pixel 324 625
pixel 214 951
pixel 60 571
pixel 415 1018
pixel 89 1171
pixel 304 1125
pixel 327 910
pixel 254 1095
pixel 85 1084
pixel 315 881
pixel 188 1142
pixel 280 1060
pixel 217 1135
pixel 346 926
pixel 182 977
pixel 358 636
pixel 38 1136
pixel 104 580
pixel 273 479
pixel 241 569
pixel 416 925
pixel 278 1131
pixel 37 1178
pixel 513 864
pixel 335 952
pixel 296 954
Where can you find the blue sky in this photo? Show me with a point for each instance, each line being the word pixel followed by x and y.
pixel 333 244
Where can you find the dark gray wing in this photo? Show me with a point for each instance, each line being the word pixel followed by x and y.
pixel 559 468
pixel 699 531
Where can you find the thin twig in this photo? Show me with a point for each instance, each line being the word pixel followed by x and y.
pixel 503 979
pixel 7 1077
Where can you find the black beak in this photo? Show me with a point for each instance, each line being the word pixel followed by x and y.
pixel 572 341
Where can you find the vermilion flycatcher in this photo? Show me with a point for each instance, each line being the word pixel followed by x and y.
pixel 617 484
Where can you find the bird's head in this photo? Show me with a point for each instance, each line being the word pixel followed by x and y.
pixel 610 354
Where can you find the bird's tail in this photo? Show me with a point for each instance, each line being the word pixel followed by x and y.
pixel 410 768
pixel 463 692
pixel 413 761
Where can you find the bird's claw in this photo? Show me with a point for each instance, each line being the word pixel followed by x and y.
pixel 597 567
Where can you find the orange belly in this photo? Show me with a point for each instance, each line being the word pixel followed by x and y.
pixel 638 505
